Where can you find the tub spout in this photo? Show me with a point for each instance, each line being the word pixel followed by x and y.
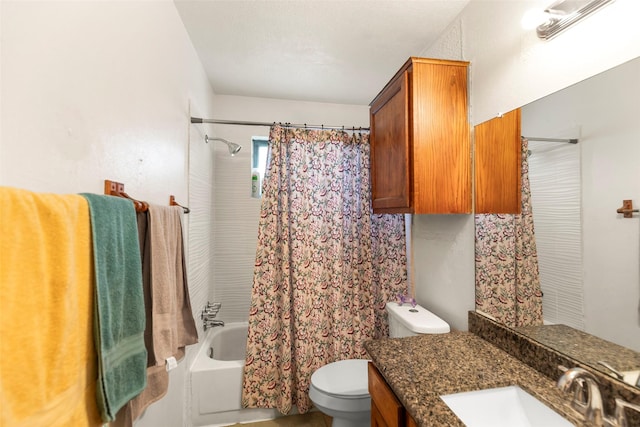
pixel 212 323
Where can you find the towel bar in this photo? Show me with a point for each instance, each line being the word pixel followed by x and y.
pixel 627 209
pixel 172 202
pixel 112 188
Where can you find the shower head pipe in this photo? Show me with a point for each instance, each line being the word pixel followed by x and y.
pixel 233 147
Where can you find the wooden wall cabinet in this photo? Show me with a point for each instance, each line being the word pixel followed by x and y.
pixel 386 409
pixel 420 142
pixel 498 158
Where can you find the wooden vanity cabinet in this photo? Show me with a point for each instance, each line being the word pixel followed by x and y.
pixel 420 143
pixel 498 158
pixel 386 409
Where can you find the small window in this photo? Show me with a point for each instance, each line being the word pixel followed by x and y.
pixel 259 154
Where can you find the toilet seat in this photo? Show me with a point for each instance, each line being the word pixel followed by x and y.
pixel 345 379
pixel 340 390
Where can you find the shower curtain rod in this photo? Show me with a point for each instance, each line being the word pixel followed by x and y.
pixel 569 140
pixel 294 125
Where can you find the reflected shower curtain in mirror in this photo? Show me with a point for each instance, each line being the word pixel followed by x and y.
pixel 325 265
pixel 507 278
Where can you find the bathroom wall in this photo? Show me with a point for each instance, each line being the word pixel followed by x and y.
pixel 235 213
pixel 510 67
pixel 103 90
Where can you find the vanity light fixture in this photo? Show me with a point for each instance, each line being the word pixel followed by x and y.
pixel 564 13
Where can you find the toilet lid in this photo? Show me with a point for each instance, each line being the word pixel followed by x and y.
pixel 346 378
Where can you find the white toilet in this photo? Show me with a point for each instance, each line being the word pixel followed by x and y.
pixel 340 389
pixel 406 321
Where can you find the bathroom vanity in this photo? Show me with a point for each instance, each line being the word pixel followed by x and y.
pixel 418 370
pixel 421 369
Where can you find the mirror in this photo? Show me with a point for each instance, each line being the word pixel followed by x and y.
pixel 575 191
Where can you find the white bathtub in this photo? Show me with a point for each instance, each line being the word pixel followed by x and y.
pixel 216 383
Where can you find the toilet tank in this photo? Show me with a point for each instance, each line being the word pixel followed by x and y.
pixel 406 321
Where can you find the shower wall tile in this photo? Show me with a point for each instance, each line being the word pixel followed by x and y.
pixel 201 196
pixel 235 233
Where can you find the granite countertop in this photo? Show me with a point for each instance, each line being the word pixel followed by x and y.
pixel 584 347
pixel 420 369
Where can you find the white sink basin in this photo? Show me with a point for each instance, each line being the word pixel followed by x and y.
pixel 502 407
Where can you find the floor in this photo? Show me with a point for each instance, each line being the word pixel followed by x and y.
pixel 310 419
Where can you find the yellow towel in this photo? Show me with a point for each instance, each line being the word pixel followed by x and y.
pixel 47 357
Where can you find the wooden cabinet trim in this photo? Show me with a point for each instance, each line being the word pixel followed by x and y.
pixel 411 422
pixel 418 60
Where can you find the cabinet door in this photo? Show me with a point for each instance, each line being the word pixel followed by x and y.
pixel 498 156
pixel 376 417
pixel 391 180
pixel 411 422
pixel 386 409
pixel 440 139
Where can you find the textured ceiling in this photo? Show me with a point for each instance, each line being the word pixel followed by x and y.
pixel 311 50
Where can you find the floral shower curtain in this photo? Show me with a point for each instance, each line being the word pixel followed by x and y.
pixel 325 265
pixel 507 279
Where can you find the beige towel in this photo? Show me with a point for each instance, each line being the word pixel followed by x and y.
pixel 157 385
pixel 173 324
pixel 170 323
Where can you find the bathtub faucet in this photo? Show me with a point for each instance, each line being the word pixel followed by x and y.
pixel 210 310
pixel 208 315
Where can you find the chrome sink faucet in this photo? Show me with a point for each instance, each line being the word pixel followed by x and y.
pixel 587 399
pixel 586 394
